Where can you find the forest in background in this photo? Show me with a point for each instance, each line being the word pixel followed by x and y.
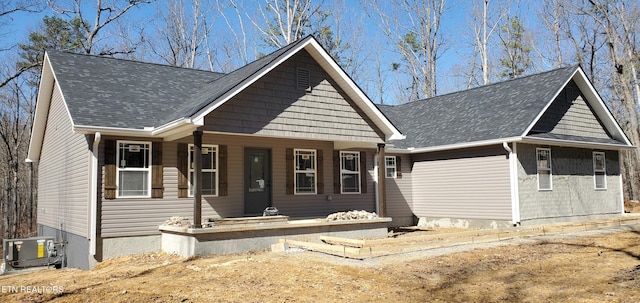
pixel 397 51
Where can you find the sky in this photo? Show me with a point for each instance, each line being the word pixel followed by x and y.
pixel 451 62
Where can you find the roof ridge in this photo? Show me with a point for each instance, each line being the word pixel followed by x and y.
pixel 573 66
pixel 133 61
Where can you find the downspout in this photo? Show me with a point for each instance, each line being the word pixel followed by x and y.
pixel 513 181
pixel 93 218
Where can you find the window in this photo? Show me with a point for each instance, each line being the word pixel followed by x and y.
pixel 209 170
pixel 544 168
pixel 350 172
pixel 305 171
pixel 390 167
pixel 599 170
pixel 134 169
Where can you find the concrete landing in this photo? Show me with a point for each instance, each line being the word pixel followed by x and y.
pixel 237 238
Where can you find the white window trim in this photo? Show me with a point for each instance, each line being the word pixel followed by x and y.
pixel 550 169
pixel 343 172
pixel 296 171
pixel 395 167
pixel 604 170
pixel 148 169
pixel 208 170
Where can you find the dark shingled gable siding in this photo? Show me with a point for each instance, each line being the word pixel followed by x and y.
pixel 275 106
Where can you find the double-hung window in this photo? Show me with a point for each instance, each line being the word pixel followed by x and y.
pixel 305 171
pixel 350 172
pixel 209 170
pixel 390 167
pixel 134 169
pixel 599 170
pixel 543 156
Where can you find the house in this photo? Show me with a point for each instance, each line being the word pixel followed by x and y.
pixel 533 150
pixel 115 142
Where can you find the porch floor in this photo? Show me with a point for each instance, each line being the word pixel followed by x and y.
pixel 235 235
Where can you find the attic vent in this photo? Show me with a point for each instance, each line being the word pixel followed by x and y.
pixel 303 79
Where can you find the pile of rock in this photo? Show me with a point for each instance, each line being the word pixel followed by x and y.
pixel 178 221
pixel 352 215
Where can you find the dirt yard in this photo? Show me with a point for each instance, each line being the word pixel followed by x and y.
pixel 577 267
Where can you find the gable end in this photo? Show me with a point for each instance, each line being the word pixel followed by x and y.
pixel 570 115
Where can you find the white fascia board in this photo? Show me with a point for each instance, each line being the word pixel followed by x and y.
pixel 604 114
pixel 549 102
pixel 462 145
pixel 350 87
pixel 43 102
pixel 332 68
pixel 199 117
pixel 112 131
pixel 578 144
pixel 593 98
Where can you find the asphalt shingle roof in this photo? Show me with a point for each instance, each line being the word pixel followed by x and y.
pixel 494 111
pixel 108 92
pixel 101 91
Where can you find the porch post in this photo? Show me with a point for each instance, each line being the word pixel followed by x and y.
pixel 382 183
pixel 197 179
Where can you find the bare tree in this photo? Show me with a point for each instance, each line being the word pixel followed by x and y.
pixel 619 21
pixel 182 32
pixel 104 13
pixel 414 28
pixel 285 21
pixel 15 127
pixel 486 24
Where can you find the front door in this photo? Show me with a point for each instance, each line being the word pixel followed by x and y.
pixel 257 180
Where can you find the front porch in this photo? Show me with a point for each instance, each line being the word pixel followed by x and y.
pixel 228 236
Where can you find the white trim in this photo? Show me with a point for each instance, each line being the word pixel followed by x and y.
pixel 111 131
pixel 593 99
pixel 604 170
pixel 550 169
pixel 601 109
pixel 332 68
pixel 353 90
pixel 148 169
pixel 215 170
pixel 93 192
pixel 513 181
pixel 356 154
pixel 43 103
pixel 296 171
pixel 549 102
pixel 395 167
pixel 458 145
pixel 570 143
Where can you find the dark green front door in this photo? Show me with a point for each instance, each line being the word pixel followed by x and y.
pixel 257 180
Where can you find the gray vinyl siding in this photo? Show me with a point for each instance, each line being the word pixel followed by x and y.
pixel 63 173
pixel 399 190
pixel 573 192
pixel 569 114
pixel 131 217
pixel 468 183
pixel 274 106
